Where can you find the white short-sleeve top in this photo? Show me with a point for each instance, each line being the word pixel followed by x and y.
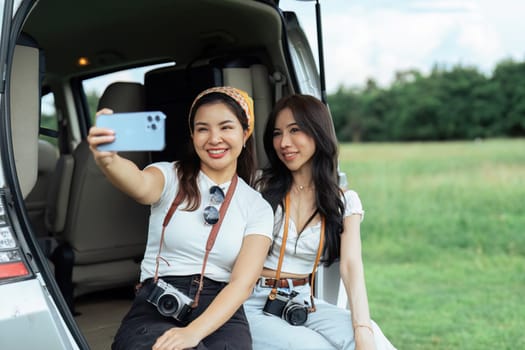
pixel 301 250
pixel 187 233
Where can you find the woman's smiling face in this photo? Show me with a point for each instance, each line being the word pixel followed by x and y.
pixel 218 138
pixel 293 146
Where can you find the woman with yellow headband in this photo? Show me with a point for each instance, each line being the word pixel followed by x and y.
pixel 209 231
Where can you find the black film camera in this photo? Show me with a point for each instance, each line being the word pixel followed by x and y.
pixel 283 306
pixel 170 301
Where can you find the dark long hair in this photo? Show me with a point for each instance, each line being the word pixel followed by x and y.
pixel 189 166
pixel 314 119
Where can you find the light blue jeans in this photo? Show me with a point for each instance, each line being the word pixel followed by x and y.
pixel 328 328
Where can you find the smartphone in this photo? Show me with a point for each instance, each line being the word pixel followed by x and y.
pixel 136 131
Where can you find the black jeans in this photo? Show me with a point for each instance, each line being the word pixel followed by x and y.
pixel 143 324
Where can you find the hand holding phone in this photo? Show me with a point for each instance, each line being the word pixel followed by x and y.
pixel 136 131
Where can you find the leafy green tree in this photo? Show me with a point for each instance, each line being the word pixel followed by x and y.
pixel 510 76
pixel 347 112
pixel 456 88
pixel 448 104
pixel 377 104
pixel 487 110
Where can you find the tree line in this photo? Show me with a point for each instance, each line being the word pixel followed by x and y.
pixel 457 103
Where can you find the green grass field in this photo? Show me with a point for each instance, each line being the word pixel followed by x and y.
pixel 443 241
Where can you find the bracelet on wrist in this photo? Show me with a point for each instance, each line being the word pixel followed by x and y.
pixel 357 325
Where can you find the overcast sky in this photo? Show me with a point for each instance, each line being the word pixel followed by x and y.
pixel 376 38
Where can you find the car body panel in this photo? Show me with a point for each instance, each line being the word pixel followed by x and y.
pixel 27 320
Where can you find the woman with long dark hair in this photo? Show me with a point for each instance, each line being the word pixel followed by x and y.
pixel 315 222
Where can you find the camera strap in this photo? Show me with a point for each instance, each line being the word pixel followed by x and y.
pixel 273 292
pixel 211 237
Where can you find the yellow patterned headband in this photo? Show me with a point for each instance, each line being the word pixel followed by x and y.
pixel 240 96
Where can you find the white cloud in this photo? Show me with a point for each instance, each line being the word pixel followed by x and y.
pixel 378 44
pixel 444 5
pixel 375 38
pixel 482 42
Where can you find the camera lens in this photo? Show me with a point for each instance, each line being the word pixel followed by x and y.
pixel 168 305
pixel 295 314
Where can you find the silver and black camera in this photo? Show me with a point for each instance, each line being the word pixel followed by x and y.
pixel 283 306
pixel 170 301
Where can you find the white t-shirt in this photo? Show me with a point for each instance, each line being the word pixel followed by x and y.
pixel 300 259
pixel 187 232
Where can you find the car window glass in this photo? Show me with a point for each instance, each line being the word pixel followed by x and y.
pixel 94 87
pixel 48 119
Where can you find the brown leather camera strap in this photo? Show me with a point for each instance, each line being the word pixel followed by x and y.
pixel 211 237
pixel 273 292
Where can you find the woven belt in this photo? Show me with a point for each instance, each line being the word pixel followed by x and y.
pixel 283 282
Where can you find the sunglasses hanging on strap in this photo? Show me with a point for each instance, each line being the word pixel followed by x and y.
pixel 211 237
pixel 273 293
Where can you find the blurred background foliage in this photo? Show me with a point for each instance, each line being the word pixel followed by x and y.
pixel 459 103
